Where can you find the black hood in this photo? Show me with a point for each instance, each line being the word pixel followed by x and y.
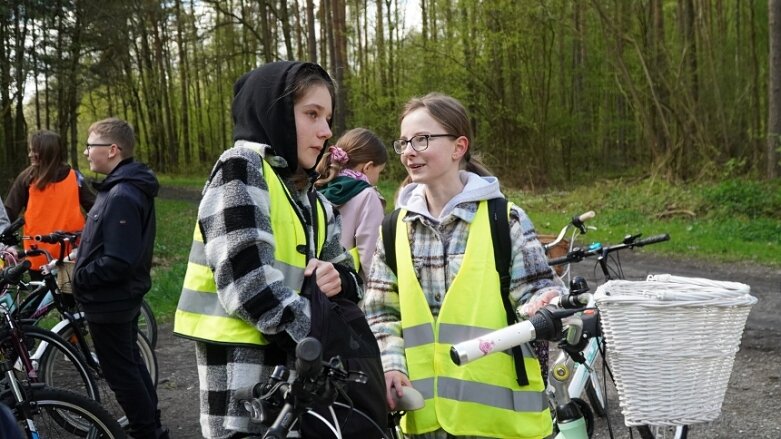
pixel 263 108
pixel 135 173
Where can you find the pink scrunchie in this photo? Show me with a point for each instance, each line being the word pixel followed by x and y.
pixel 338 155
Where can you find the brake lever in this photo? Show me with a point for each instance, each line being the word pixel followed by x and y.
pixel 630 239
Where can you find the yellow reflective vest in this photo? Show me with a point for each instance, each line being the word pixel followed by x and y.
pixel 200 315
pixel 482 398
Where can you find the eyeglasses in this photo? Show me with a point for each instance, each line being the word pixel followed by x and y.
pixel 419 143
pixel 93 145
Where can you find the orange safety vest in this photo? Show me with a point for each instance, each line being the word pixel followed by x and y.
pixel 54 208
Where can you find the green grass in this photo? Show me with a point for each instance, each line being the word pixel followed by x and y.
pixel 175 224
pixel 732 221
pixel 194 181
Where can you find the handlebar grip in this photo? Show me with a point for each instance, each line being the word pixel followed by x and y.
pixel 558 261
pixel 653 240
pixel 587 216
pixel 12 275
pixel 13 227
pixel 499 340
pixel 51 238
pixel 309 358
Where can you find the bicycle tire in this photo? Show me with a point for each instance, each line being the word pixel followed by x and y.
pixel 108 399
pixel 73 374
pixel 651 432
pixel 60 413
pixel 147 323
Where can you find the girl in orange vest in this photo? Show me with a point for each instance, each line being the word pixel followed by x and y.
pixel 49 193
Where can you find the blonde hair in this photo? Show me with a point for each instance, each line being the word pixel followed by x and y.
pixel 116 131
pixel 361 146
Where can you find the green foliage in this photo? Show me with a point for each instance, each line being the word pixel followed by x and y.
pixel 708 222
pixel 750 199
pixel 175 223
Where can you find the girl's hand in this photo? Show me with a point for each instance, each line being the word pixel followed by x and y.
pixel 534 305
pixel 327 276
pixel 393 382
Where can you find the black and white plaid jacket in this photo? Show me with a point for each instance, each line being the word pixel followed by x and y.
pixel 239 247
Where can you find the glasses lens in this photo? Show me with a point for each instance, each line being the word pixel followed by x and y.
pixel 419 143
pixel 399 145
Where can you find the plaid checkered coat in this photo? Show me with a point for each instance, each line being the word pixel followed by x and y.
pixel 236 226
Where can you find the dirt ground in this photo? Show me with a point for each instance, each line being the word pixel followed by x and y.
pixel 751 407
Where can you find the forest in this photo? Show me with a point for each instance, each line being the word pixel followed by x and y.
pixel 560 92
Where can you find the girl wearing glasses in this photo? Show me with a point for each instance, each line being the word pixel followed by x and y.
pixel 349 173
pixel 49 193
pixel 446 286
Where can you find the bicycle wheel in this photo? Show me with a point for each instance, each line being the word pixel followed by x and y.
pixel 58 413
pixel 147 324
pixel 56 362
pixel 108 400
pixel 663 432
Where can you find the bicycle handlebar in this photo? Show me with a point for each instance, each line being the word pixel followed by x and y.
pixel 7 236
pixel 578 254
pixel 13 275
pixel 577 221
pixel 57 237
pixel 544 325
pixel 309 358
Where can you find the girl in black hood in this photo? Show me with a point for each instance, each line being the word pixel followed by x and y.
pixel 255 243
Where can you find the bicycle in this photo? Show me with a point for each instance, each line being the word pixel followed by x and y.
pixel 281 404
pixel 75 331
pixel 609 263
pixel 43 411
pixel 563 320
pixel 38 303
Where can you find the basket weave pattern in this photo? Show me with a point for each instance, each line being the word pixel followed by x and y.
pixel 671 343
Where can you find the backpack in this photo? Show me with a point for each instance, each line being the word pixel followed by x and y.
pixel 342 329
pixel 498 210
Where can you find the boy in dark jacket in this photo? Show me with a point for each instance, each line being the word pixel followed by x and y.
pixel 112 271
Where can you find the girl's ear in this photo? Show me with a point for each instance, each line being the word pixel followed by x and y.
pixel 367 166
pixel 462 146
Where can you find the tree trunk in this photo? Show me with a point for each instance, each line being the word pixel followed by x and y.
pixel 184 82
pixel 341 72
pixel 311 35
pixel 774 88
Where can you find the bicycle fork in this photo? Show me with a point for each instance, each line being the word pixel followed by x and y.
pixel 569 419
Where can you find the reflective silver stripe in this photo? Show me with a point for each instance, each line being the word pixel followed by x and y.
pixel 418 335
pixel 425 386
pixel 490 395
pixel 293 276
pixel 198 253
pixel 452 334
pixel 201 303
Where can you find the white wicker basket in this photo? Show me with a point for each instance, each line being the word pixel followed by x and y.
pixel 671 343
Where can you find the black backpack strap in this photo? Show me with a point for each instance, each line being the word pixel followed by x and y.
pixel 389 238
pixel 313 206
pixel 500 235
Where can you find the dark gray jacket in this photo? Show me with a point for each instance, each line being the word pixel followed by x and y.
pixel 112 271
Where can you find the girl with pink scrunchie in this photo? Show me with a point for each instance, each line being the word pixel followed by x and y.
pixel 349 172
